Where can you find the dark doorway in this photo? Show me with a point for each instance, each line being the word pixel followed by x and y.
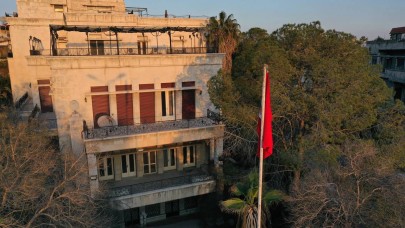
pixel 172 208
pixel 188 101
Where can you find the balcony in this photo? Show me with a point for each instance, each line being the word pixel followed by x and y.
pixel 121 51
pixel 157 182
pixel 105 132
pixel 395 75
pixel 158 188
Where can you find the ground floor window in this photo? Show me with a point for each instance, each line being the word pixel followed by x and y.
pixel 106 168
pixel 152 210
pixel 149 162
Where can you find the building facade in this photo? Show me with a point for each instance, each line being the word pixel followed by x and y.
pixel 127 91
pixel 391 55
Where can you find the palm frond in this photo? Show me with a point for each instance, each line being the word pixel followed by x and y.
pixel 233 205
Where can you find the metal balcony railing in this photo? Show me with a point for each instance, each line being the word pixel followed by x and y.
pixel 121 51
pixel 105 132
pixel 158 184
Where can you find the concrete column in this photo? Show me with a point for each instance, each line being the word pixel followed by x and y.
pixel 201 155
pixel 117 167
pixel 160 161
pixel 93 174
pixel 179 158
pixel 137 110
pixel 76 127
pixel 162 208
pixel 212 149
pixel 113 103
pixel 158 106
pixel 139 164
pixel 178 104
pixel 181 204
pixel 219 147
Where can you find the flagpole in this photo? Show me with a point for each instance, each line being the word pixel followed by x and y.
pixel 259 206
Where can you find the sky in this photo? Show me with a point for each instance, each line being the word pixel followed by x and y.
pixel 370 18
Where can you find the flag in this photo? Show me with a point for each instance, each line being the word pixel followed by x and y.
pixel 267 125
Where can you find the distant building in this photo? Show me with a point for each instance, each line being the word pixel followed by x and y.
pixel 129 92
pixel 4 40
pixel 391 55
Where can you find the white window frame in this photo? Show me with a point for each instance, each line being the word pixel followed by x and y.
pixel 148 163
pixel 102 164
pixel 128 159
pixel 170 106
pixel 170 163
pixel 189 158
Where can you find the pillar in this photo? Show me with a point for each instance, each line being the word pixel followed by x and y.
pixel 139 164
pixel 113 103
pixel 219 148
pixel 160 161
pixel 93 174
pixel 212 149
pixel 76 127
pixel 117 167
pixel 179 158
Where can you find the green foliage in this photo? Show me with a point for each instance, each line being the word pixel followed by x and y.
pixel 336 126
pixel 5 92
pixel 245 205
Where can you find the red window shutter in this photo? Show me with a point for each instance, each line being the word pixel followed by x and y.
pixel 147 104
pixel 124 106
pixel 45 99
pixel 168 85
pixel 188 101
pixel 188 84
pixel 101 103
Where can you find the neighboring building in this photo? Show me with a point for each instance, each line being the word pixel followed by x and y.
pixel 4 40
pixel 391 55
pixel 129 92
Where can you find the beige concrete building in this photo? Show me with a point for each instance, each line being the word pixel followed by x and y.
pixel 129 92
pixel 391 55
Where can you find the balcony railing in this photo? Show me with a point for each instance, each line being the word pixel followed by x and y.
pixel 158 184
pixel 121 51
pixel 104 132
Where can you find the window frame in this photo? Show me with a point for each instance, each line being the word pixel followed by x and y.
pixel 128 173
pixel 190 155
pixel 168 104
pixel 102 164
pixel 171 163
pixel 149 164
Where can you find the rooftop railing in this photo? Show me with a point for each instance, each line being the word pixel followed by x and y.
pixel 121 51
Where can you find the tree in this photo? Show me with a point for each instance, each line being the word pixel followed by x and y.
pixel 245 202
pixel 223 37
pixel 40 186
pixel 330 108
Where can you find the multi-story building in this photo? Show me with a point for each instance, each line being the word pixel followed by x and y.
pixel 391 55
pixel 129 92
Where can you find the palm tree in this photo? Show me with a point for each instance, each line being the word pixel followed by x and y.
pixel 222 36
pixel 245 202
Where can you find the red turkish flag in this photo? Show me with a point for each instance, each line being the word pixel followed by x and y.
pixel 268 117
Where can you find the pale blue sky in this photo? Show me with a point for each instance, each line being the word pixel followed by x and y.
pixel 370 18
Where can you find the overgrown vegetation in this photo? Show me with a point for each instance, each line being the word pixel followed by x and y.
pixel 339 136
pixel 41 187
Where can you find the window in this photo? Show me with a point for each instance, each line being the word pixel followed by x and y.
pixel 169 157
pixel 400 63
pixel 189 155
pixel 142 45
pixel 128 165
pixel 96 47
pixel 58 8
pixel 106 168
pixel 149 162
pixel 168 105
